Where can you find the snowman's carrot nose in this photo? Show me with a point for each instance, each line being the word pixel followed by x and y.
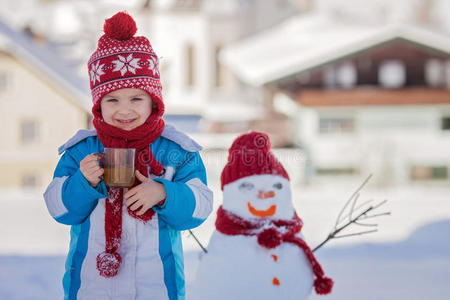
pixel 265 195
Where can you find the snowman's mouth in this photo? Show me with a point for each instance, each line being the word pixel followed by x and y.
pixel 262 213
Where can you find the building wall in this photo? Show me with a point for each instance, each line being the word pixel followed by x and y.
pixel 171 34
pixel 216 24
pixel 388 141
pixel 30 96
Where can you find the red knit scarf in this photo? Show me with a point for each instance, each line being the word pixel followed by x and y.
pixel 140 138
pixel 271 233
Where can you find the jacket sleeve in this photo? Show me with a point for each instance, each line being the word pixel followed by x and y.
pixel 69 197
pixel 189 201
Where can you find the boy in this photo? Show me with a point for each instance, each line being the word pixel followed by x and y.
pixel 126 244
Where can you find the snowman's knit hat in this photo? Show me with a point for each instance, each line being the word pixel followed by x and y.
pixel 124 61
pixel 250 155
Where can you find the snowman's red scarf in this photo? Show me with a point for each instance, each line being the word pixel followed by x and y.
pixel 140 138
pixel 271 233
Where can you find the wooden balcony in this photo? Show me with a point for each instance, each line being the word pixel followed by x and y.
pixel 373 96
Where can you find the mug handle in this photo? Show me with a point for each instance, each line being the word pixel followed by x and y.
pixel 101 156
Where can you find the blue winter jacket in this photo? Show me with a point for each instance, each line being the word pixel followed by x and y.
pixel 152 257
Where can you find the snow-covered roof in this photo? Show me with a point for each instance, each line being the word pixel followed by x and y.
pixel 45 60
pixel 303 42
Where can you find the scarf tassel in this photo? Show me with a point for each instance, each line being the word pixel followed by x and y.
pixel 108 263
pixel 323 285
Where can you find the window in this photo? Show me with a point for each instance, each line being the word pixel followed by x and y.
pixel 445 123
pixel 336 171
pixel 336 125
pixel 329 77
pixel 219 69
pixel 435 73
pixel 190 66
pixel 29 180
pixel 429 172
pixel 392 74
pixel 29 131
pixel 346 75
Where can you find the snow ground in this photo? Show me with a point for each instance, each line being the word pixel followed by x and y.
pixel 409 258
pixel 417 268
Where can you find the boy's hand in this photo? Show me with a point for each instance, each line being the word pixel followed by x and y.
pixel 91 170
pixel 147 194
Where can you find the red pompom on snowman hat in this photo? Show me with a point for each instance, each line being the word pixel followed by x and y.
pixel 250 155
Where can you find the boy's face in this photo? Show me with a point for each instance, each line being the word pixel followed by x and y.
pixel 126 108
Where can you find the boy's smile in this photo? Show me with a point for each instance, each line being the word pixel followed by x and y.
pixel 126 108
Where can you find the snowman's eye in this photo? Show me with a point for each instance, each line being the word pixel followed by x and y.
pixel 246 186
pixel 278 185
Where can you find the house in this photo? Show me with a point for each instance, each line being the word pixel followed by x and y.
pixel 40 102
pixel 44 92
pixel 364 98
pixel 188 37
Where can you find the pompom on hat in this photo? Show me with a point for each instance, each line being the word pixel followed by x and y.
pixel 250 155
pixel 120 27
pixel 122 60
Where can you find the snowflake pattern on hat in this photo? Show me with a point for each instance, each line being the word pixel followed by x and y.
pixel 154 65
pixel 96 72
pixel 128 64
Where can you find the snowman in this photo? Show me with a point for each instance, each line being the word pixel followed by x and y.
pixel 257 250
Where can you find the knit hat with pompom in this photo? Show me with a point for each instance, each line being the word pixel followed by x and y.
pixel 124 61
pixel 250 155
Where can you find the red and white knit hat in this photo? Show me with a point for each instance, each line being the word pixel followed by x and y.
pixel 250 155
pixel 124 61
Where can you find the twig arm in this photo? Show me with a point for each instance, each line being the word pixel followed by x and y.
pixel 198 242
pixel 333 234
